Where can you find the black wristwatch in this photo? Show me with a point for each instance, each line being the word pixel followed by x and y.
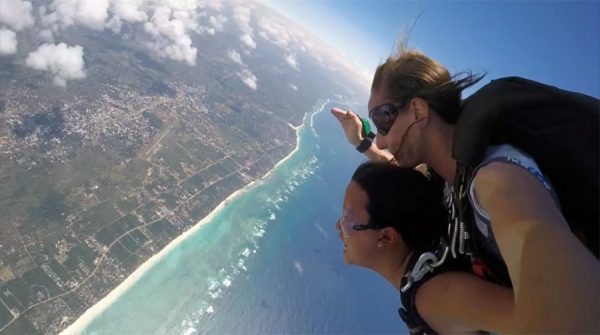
pixel 364 145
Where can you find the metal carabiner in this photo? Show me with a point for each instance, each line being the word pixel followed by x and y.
pixel 422 267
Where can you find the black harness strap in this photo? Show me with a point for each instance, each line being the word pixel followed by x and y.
pixel 408 312
pixel 409 287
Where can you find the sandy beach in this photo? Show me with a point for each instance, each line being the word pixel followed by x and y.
pixel 80 324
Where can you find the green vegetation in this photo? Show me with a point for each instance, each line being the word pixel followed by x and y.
pixel 74 303
pixel 174 156
pixel 135 172
pixel 200 151
pixel 138 237
pixel 39 282
pixel 129 243
pixel 5 315
pixel 126 204
pixel 126 258
pixel 110 233
pixel 101 215
pixel 85 254
pixel 19 297
pixel 59 270
pixel 22 326
pixel 162 228
pixel 170 200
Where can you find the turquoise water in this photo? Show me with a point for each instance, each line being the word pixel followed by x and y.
pixel 268 262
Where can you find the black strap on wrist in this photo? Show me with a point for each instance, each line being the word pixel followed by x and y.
pixel 364 145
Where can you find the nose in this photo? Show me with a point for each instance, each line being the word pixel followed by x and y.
pixel 380 141
pixel 338 227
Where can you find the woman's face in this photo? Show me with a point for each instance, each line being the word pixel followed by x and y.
pixel 359 245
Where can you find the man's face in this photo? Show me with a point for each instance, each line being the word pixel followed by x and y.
pixel 400 140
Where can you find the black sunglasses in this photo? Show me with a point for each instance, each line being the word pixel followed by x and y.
pixel 367 226
pixel 383 116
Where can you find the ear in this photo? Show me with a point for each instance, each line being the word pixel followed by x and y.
pixel 420 110
pixel 388 236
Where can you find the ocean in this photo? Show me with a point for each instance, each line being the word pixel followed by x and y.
pixel 267 261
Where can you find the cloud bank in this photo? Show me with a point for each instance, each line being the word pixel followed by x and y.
pixel 64 13
pixel 8 42
pixel 63 61
pixel 164 27
pixel 168 23
pixel 241 16
pixel 16 14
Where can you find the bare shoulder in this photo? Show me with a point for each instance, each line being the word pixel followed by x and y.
pixel 458 302
pixel 499 178
pixel 509 191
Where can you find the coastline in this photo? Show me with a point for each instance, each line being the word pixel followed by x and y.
pixel 101 305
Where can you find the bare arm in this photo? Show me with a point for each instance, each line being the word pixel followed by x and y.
pixel 556 280
pixel 460 302
pixel 352 127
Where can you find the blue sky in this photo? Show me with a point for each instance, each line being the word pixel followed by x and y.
pixel 556 42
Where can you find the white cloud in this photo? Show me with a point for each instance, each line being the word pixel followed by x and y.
pixel 216 5
pixel 248 78
pixel 274 32
pixel 217 22
pixel 115 24
pixel 171 40
pixel 235 57
pixel 64 13
pixel 8 42
pixel 298 267
pixel 167 23
pixel 129 10
pixel 16 14
pixel 241 16
pixel 248 41
pixel 292 60
pixel 63 61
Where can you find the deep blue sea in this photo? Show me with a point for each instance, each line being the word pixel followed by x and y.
pixel 268 262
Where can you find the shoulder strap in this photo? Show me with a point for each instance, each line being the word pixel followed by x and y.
pixel 408 312
pixel 422 267
pixel 460 213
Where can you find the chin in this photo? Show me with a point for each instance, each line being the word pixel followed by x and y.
pixel 405 159
pixel 407 163
pixel 347 259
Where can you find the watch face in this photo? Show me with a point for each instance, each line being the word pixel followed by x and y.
pixel 364 145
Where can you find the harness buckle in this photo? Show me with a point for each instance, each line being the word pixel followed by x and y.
pixel 424 265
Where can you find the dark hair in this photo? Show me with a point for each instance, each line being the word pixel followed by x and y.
pixel 404 199
pixel 409 73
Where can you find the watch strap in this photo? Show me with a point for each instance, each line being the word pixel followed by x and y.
pixel 364 145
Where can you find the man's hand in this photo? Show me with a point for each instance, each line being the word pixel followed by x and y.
pixel 351 125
